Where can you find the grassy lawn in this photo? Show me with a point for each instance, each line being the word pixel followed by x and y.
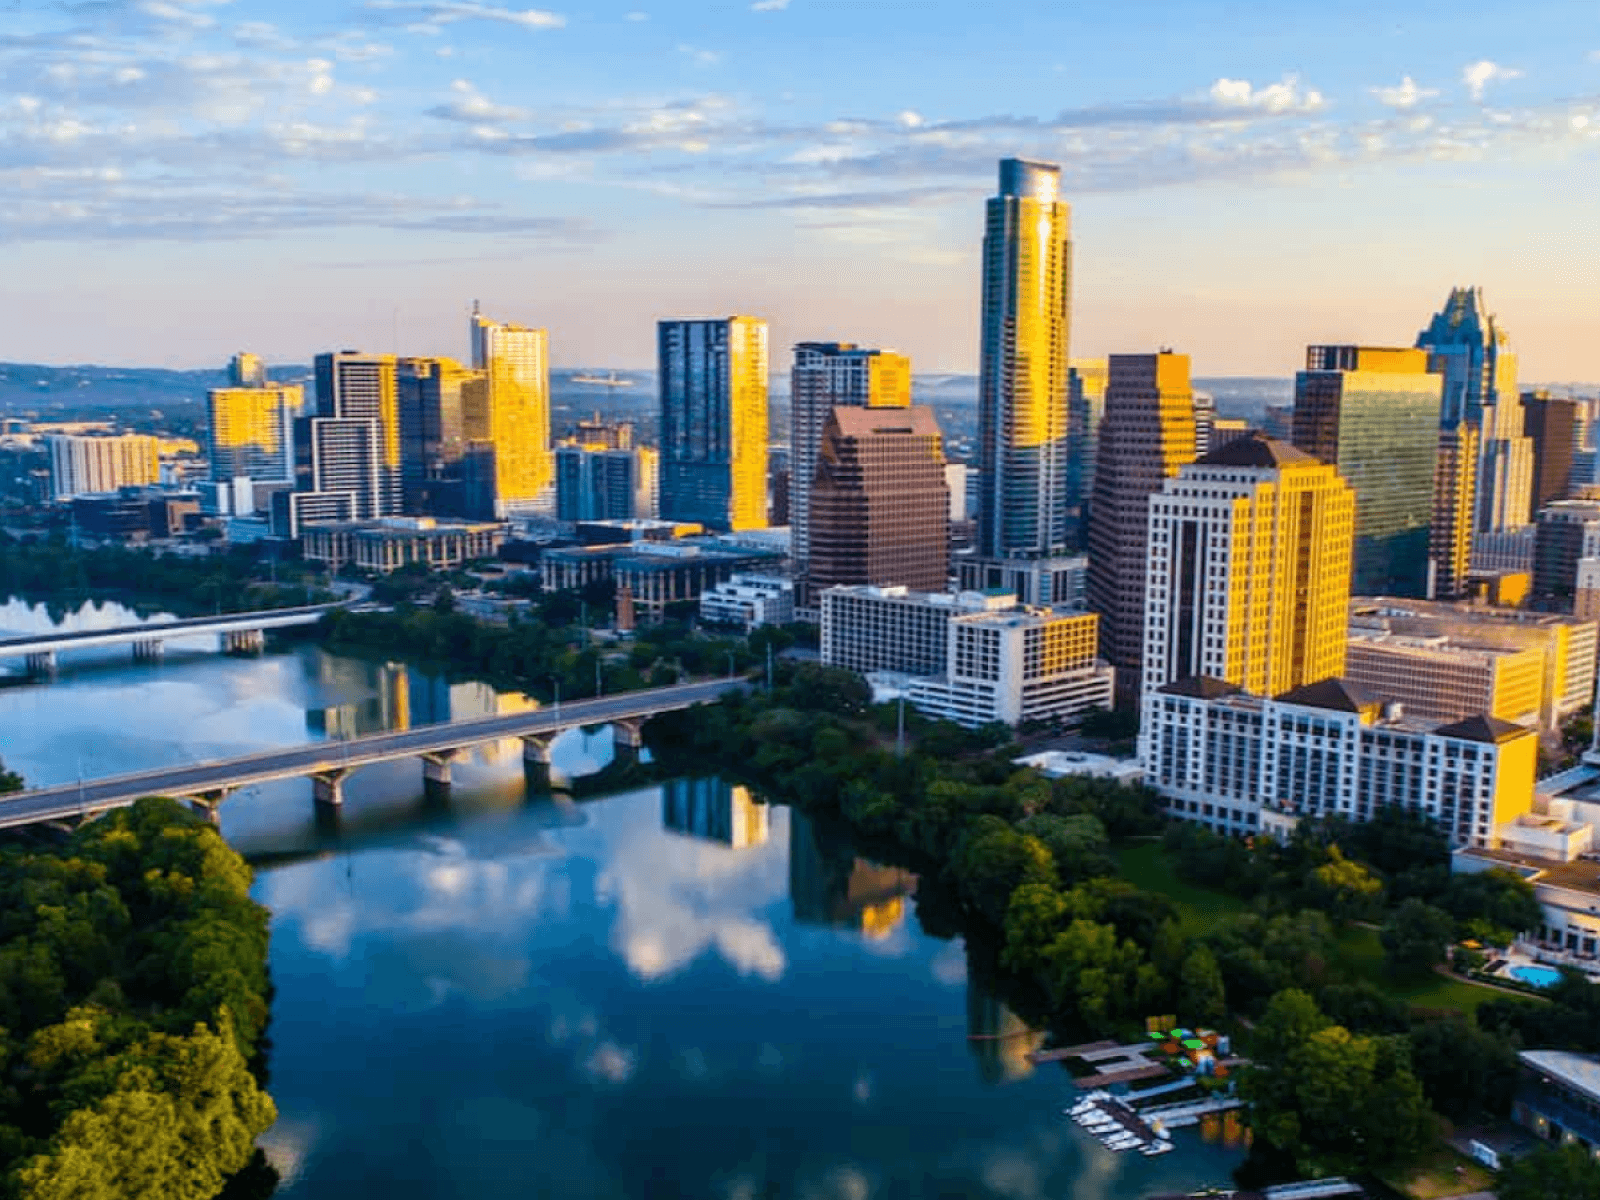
pixel 1443 1173
pixel 1145 865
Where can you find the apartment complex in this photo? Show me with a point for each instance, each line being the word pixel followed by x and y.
pixel 251 431
pixel 511 432
pixel 598 484
pixel 91 464
pixel 1249 570
pixel 1251 764
pixel 1374 414
pixel 713 379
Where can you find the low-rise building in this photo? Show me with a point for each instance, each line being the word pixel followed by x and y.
pixel 1442 679
pixel 1052 581
pixel 749 601
pixel 654 574
pixel 1059 764
pixel 390 543
pixel 1248 764
pixel 1558 1097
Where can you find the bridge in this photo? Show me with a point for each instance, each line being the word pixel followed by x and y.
pixel 240 633
pixel 328 764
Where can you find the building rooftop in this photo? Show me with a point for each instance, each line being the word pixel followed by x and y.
pixel 1581 1072
pixel 1202 687
pixel 864 422
pixel 1256 449
pixel 1337 695
pixel 1484 728
pixel 1580 875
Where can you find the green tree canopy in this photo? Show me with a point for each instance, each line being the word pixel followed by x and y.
pixel 1553 1173
pixel 1416 937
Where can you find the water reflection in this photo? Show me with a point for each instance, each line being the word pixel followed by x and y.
pixel 715 811
pixel 352 697
pixel 830 885
pixel 999 1039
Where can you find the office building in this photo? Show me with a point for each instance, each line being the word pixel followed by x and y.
pixel 597 484
pixel 510 436
pixel 826 376
pixel 1022 386
pixel 1374 414
pixel 251 432
pixel 355 390
pixel 1566 643
pixel 91 464
pixel 1566 533
pixel 1553 425
pixel 1445 678
pixel 1086 405
pixel 713 380
pixel 655 574
pixel 393 542
pixel 894 630
pixel 290 512
pixel 878 504
pixel 135 513
pixel 1249 570
pixel 246 370
pixel 1146 435
pixel 1454 506
pixel 437 395
pixel 749 601
pixel 1508 550
pixel 604 435
pixel 1048 582
pixel 1251 764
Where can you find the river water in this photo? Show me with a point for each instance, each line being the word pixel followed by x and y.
pixel 672 991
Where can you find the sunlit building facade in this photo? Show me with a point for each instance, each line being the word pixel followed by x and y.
pixel 354 388
pixel 713 380
pixel 1455 491
pixel 1022 387
pixel 436 396
pixel 251 432
pixel 92 464
pixel 1373 413
pixel 511 434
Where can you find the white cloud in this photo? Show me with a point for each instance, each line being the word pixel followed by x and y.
pixel 700 57
pixel 472 107
pixel 611 1063
pixel 1479 75
pixel 1285 96
pixel 433 13
pixel 1404 95
pixel 769 5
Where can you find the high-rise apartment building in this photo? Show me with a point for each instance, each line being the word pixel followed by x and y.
pixel 597 484
pixel 1374 413
pixel 1086 404
pixel 513 436
pixel 438 396
pixel 1455 484
pixel 879 507
pixel 246 370
pixel 1472 356
pixel 1146 435
pixel 604 435
pixel 251 432
pixel 88 465
pixel 713 379
pixel 1022 387
pixel 1249 570
pixel 1566 533
pixel 353 387
pixel 829 375
pixel 341 457
pixel 1553 425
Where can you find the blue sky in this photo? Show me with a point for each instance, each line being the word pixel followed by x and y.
pixel 188 177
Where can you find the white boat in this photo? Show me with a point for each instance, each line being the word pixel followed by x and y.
pixel 1151 1149
pixel 1125 1141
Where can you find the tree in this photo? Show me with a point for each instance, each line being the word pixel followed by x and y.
pixel 1201 993
pixel 992 860
pixel 1552 1173
pixel 1416 937
pixel 1464 1072
pixel 1345 888
pixel 1505 901
pixel 10 781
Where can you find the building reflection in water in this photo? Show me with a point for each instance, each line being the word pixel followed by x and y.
pixel 830 886
pixel 383 697
pixel 999 1039
pixel 714 811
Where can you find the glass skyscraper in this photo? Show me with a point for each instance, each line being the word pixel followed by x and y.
pixel 1022 397
pixel 513 450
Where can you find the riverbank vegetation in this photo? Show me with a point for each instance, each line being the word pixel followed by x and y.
pixel 63 576
pixel 10 781
pixel 133 1003
pixel 1319 952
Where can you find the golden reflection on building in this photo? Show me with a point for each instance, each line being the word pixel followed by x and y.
pixel 829 885
pixel 999 1039
pixel 514 432
pixel 715 811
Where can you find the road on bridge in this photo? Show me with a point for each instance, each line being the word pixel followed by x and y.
pixel 94 796
pixel 34 642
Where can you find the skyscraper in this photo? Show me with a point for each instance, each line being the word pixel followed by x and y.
pixel 1086 404
pixel 436 397
pixel 1551 423
pixel 1374 413
pixel 247 370
pixel 713 379
pixel 513 447
pixel 1022 385
pixel 829 375
pixel 86 465
pixel 1147 433
pixel 597 484
pixel 1472 355
pixel 1249 570
pixel 251 432
pixel 1454 506
pixel 879 504
pixel 353 387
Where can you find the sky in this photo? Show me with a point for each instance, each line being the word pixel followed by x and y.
pixel 188 178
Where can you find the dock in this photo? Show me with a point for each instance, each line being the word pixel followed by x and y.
pixel 1189 1112
pixel 1125 1075
pixel 1063 1052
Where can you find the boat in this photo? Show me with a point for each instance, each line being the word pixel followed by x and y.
pixel 1151 1149
pixel 1125 1141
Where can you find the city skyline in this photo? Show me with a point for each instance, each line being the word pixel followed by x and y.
pixel 365 166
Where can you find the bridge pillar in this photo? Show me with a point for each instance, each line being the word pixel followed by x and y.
pixel 536 748
pixel 208 804
pixel 327 787
pixel 244 641
pixel 148 650
pixel 629 734
pixel 42 665
pixel 436 767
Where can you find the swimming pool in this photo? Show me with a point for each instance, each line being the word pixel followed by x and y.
pixel 1542 977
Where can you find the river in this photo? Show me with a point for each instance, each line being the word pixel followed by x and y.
pixel 671 991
